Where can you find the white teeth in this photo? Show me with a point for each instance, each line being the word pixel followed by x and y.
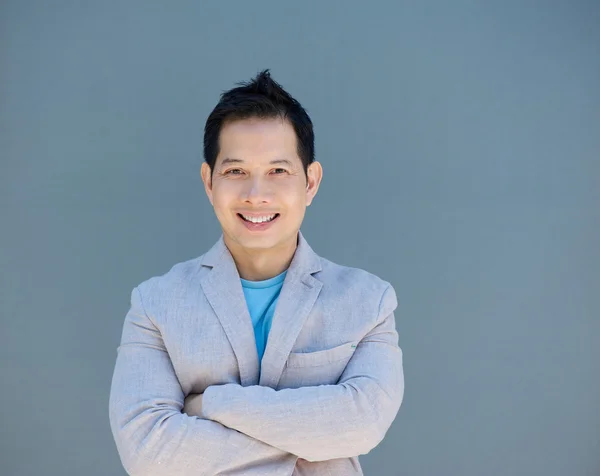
pixel 259 219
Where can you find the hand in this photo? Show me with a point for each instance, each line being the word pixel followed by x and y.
pixel 192 405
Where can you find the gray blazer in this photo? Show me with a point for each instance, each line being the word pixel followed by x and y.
pixel 329 386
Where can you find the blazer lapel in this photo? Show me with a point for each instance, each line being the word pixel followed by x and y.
pixel 298 295
pixel 223 289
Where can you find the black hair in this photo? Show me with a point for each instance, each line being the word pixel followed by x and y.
pixel 263 98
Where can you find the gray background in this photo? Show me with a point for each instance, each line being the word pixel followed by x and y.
pixel 460 143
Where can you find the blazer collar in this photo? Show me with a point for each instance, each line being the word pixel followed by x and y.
pixel 305 260
pixel 222 287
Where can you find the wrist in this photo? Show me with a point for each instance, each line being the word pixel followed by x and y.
pixel 207 403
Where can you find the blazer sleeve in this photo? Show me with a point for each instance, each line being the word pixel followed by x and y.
pixel 324 422
pixel 152 435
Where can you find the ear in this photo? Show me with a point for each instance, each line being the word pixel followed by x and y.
pixel 205 174
pixel 314 175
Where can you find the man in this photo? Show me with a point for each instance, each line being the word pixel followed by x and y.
pixel 258 357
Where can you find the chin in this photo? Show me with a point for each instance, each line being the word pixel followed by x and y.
pixel 259 242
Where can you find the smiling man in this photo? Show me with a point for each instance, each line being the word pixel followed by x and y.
pixel 259 357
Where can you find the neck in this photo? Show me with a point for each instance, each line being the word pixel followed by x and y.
pixel 261 264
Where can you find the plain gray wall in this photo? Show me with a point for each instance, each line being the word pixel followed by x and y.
pixel 460 143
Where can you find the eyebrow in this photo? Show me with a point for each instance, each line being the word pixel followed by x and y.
pixel 230 160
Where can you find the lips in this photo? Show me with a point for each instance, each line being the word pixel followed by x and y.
pixel 257 219
pixel 258 226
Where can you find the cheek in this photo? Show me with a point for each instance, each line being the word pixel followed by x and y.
pixel 224 193
pixel 295 200
pixel 221 202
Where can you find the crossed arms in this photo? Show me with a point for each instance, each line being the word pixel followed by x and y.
pixel 241 426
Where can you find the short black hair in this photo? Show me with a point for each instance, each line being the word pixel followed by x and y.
pixel 263 98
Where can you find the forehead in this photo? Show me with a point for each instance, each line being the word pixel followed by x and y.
pixel 257 139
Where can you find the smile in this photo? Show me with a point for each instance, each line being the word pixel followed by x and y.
pixel 259 219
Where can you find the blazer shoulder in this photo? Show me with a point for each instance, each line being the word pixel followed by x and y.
pixel 357 284
pixel 349 275
pixel 177 277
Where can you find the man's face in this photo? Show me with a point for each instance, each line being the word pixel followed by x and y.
pixel 258 187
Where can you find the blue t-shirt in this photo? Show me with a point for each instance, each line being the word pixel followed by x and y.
pixel 261 298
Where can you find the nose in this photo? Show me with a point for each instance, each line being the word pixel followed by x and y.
pixel 257 191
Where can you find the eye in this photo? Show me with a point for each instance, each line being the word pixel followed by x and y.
pixel 233 172
pixel 279 171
